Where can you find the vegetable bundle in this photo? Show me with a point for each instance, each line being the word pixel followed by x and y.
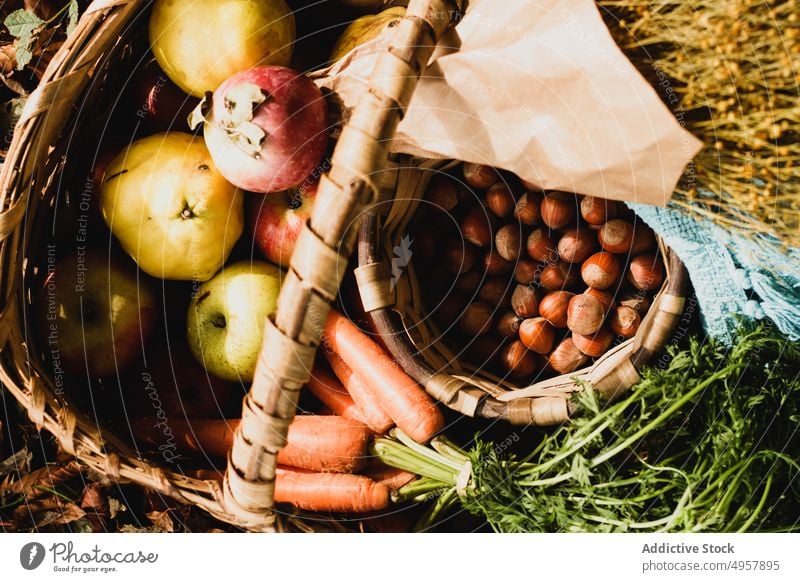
pixel 709 443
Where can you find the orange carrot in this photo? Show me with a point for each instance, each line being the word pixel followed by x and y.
pixel 398 394
pixel 323 491
pixel 392 477
pixel 329 491
pixel 326 443
pixel 332 394
pixel 367 400
pixel 317 443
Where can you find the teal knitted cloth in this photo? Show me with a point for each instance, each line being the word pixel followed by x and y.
pixel 732 275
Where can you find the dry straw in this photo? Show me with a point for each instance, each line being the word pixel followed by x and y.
pixel 729 71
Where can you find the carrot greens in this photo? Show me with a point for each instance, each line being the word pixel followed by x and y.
pixel 709 442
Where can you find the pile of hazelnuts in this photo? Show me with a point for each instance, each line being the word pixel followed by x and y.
pixel 529 283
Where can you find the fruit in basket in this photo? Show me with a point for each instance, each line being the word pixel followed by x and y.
pixel 170 208
pixel 266 128
pixel 585 314
pixel 200 43
pixel 567 357
pixel 558 209
pixel 601 270
pixel 567 296
pixel 554 306
pixel 595 344
pixel 365 29
pixel 96 312
pixel 155 101
pixel 646 272
pixel 518 361
pixel 276 221
pixel 537 335
pixel 479 175
pixel 225 322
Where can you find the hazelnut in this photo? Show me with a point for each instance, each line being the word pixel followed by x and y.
pixel 449 309
pixel 518 361
pixel 484 350
pixel 596 344
pixel 604 296
pixel 644 239
pixel 476 319
pixel 537 335
pixel 476 227
pixel 624 321
pixel 527 211
pixel 601 270
pixel 525 301
pixel 638 301
pixel 553 307
pixel 576 245
pixel 496 292
pixel 558 209
pixel 585 314
pixel 560 275
pixel 597 210
pixel 458 257
pixel 541 246
pixel 646 272
pixel 526 271
pixel 494 264
pixel 500 200
pixel 567 357
pixel 508 324
pixel 468 282
pixel 508 242
pixel 616 236
pixel 443 192
pixel 478 175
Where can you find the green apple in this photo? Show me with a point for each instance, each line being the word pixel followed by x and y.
pixel 227 315
pixel 200 43
pixel 95 314
pixel 366 28
pixel 170 208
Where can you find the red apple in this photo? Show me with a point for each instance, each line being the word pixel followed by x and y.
pixel 95 313
pixel 156 103
pixel 276 221
pixel 266 128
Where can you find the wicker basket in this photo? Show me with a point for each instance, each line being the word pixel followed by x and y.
pixel 397 312
pixel 71 94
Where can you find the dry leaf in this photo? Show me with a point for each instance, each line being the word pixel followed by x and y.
pixel 50 476
pixel 95 503
pixel 8 59
pixel 18 463
pixel 49 511
pixel 162 520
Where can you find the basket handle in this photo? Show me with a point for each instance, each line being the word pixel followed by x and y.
pixel 320 260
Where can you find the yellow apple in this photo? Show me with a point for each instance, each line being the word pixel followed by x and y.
pixel 170 208
pixel 366 28
pixel 200 43
pixel 226 318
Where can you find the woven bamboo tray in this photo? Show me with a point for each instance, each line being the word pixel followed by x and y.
pixel 69 94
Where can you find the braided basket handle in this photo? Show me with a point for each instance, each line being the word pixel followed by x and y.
pixel 320 260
